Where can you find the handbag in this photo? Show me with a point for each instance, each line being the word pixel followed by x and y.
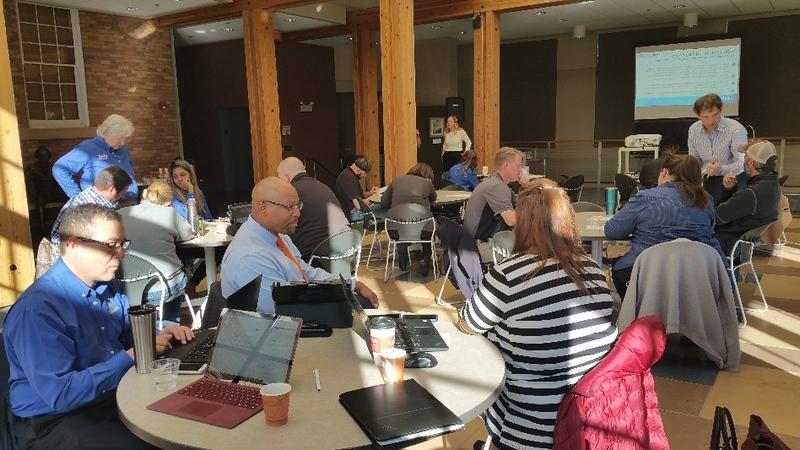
pixel 759 437
pixel 723 432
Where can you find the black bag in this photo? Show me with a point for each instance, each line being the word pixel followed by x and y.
pixel 723 432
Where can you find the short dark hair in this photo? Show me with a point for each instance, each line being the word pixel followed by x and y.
pixel 421 170
pixel 668 143
pixel 78 219
pixel 113 176
pixel 708 101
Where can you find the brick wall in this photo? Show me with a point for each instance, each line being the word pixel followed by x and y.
pixel 124 75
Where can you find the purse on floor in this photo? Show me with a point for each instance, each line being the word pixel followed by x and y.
pixel 759 437
pixel 723 432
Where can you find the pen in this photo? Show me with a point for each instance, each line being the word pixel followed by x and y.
pixel 316 379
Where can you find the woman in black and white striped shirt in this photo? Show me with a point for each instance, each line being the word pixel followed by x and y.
pixel 547 308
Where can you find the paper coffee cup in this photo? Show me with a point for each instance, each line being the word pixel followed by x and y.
pixel 485 170
pixel 276 403
pixel 393 362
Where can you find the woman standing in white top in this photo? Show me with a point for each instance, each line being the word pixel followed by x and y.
pixel 456 142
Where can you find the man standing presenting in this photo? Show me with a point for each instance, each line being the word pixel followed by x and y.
pixel 718 142
pixel 68 341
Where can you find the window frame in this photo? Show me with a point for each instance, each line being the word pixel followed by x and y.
pixel 80 73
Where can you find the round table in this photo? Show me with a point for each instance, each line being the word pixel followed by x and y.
pixel 590 228
pixel 467 380
pixel 442 197
pixel 209 241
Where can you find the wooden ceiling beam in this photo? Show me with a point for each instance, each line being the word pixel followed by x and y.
pixel 223 11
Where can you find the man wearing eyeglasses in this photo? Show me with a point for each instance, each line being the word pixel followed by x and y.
pixel 262 248
pixel 68 341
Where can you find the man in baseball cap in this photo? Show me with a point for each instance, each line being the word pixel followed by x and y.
pixel 348 187
pixel 741 210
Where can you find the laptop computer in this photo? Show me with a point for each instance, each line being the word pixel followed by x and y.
pixel 246 298
pixel 414 333
pixel 195 352
pixel 320 301
pixel 251 347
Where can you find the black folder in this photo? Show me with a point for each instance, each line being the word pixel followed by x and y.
pixel 396 412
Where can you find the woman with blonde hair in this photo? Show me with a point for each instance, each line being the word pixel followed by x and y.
pixel 547 308
pixel 183 180
pixel 455 142
pixel 153 227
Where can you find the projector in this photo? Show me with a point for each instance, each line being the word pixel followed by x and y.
pixel 642 140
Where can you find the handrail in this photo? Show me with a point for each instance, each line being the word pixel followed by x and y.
pixel 315 163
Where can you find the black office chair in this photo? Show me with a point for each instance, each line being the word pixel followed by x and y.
pixel 214 305
pixel 626 187
pixel 238 212
pixel 782 180
pixel 573 186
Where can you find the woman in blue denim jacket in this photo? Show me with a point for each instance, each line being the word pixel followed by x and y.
pixel 678 207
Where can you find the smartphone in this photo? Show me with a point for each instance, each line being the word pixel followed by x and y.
pixel 190 368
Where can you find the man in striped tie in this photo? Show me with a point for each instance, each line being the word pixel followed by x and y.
pixel 262 248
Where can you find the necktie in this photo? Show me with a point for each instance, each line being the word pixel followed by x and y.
pixel 285 250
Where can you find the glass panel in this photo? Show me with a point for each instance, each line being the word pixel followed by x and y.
pixel 36 111
pixel 64 36
pixel 66 55
pixel 34 91
pixel 50 53
pixel 52 111
pixel 69 92
pixel 62 18
pixel 29 32
pixel 30 52
pixel 50 74
pixel 47 34
pixel 27 13
pixel 67 74
pixel 32 72
pixel 52 93
pixel 44 14
pixel 70 111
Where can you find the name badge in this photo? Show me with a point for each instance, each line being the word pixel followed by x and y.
pixel 112 307
pixel 102 157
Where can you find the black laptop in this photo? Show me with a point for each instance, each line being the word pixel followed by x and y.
pixel 246 298
pixel 414 333
pixel 318 301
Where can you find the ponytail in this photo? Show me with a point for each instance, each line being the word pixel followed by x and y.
pixel 686 170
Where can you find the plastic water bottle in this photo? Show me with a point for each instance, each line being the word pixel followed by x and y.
pixel 191 204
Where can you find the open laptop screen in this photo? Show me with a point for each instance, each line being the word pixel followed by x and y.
pixel 254 347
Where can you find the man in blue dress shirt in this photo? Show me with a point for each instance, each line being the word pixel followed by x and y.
pixel 77 169
pixel 68 341
pixel 262 248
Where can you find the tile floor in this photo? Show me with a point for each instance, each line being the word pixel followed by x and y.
pixel 688 386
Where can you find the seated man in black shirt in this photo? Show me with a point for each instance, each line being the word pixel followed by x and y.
pixel 348 186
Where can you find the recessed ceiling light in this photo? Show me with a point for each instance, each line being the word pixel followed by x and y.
pixel 178 0
pixel 200 31
pixel 562 20
pixel 461 33
pixel 679 6
pixel 586 2
pixel 132 8
pixel 227 29
pixel 349 38
pixel 212 31
pixel 540 13
pixel 436 27
pixel 291 19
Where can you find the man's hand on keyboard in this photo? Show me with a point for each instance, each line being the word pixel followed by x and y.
pixel 179 333
pixel 162 344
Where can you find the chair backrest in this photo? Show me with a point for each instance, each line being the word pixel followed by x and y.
pixel 408 220
pixel 238 212
pixel 587 207
pixel 502 245
pixel 246 298
pixel 453 187
pixel 137 275
pixel 573 186
pixel 626 186
pixel 214 305
pixel 782 180
pixel 743 248
pixel 340 253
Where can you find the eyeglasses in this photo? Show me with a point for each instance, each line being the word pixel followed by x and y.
pixel 113 246
pixel 298 205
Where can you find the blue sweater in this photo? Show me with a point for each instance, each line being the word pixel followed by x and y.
pixel 468 180
pixel 76 170
pixel 183 209
pixel 660 215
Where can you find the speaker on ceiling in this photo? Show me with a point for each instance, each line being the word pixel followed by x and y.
pixel 455 107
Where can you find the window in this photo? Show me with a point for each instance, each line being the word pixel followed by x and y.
pixel 52 59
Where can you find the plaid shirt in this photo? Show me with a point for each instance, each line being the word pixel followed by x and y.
pixel 89 195
pixel 723 143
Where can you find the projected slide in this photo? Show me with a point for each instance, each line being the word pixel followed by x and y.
pixel 669 78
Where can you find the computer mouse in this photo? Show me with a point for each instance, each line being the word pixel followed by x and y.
pixel 421 360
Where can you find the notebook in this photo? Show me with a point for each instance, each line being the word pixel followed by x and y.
pixel 320 301
pixel 251 347
pixel 390 413
pixel 414 333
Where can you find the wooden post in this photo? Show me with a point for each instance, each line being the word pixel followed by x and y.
pixel 398 79
pixel 16 255
pixel 262 92
pixel 365 96
pixel 486 88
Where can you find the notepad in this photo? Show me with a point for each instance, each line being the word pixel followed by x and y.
pixel 397 412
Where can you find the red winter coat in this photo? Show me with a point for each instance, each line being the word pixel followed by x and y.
pixel 615 406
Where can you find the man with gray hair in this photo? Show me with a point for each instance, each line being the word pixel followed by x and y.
pixel 109 187
pixel 491 206
pixel 68 341
pixel 322 215
pixel 77 169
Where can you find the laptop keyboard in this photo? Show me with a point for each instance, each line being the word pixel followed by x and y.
pixel 202 351
pixel 224 392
